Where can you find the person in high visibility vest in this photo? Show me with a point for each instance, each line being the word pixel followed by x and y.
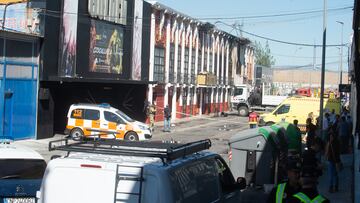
pixel 283 191
pixel 309 179
pixel 253 119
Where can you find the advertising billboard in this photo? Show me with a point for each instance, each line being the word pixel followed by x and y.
pixel 68 38
pixel 106 48
pixel 22 17
pixel 137 40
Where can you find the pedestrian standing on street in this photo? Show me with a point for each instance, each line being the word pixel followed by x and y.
pixel 283 191
pixel 332 116
pixel 350 127
pixel 332 154
pixel 296 123
pixel 152 112
pixel 308 179
pixel 310 131
pixel 253 117
pixel 344 135
pixel 326 124
pixel 167 119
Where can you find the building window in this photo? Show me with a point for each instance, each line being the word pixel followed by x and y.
pixel 210 62
pixel 159 64
pixel 110 10
pixel 215 69
pixel 205 61
pixel 199 61
pixel 186 64
pixel 179 66
pixel 193 66
pixel 172 63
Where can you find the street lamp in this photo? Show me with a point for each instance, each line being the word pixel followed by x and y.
pixel 341 50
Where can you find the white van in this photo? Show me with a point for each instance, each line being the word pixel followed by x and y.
pixel 89 120
pixel 111 171
pixel 21 172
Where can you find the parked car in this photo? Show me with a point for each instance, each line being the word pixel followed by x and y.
pixel 111 171
pixel 21 172
pixel 89 120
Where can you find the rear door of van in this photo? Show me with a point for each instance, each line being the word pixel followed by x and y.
pixel 72 182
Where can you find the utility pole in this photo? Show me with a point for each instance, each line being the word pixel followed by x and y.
pixel 321 116
pixel 341 49
pixel 314 64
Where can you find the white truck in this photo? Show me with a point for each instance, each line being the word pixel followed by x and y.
pixel 244 101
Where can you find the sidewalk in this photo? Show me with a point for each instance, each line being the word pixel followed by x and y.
pixel 344 195
pixel 356 169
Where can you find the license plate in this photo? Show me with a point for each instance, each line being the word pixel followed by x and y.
pixel 19 200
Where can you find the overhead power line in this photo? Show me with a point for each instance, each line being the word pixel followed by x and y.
pixel 279 41
pixel 274 15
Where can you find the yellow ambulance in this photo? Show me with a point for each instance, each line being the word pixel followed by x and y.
pixel 102 120
pixel 298 108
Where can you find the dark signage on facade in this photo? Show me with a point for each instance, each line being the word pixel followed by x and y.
pixel 344 88
pixel 106 48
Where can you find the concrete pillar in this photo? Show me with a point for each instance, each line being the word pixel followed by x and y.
pixel 202 53
pixel 176 54
pixel 190 53
pixel 173 104
pixel 218 59
pixel 213 49
pixel 196 51
pixel 183 33
pixel 227 63
pixel 167 54
pixel 201 101
pixel 166 94
pixel 151 58
pixel 222 61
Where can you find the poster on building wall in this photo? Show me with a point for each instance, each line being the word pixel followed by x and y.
pixel 20 17
pixel 68 36
pixel 106 48
pixel 137 40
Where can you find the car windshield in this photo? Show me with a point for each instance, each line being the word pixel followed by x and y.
pixel 22 168
pixel 124 116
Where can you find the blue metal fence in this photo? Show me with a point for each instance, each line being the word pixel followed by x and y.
pixel 18 99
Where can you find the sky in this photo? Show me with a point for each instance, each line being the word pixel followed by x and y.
pixel 304 29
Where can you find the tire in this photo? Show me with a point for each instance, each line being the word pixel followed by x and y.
pixel 131 136
pixel 243 111
pixel 76 134
pixel 269 123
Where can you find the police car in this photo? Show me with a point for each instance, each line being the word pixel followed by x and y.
pixel 91 120
pixel 21 172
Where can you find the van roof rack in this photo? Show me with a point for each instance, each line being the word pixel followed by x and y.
pixel 164 150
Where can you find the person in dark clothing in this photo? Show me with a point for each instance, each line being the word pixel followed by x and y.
pixel 308 178
pixel 344 135
pixel 332 154
pixel 282 192
pixel 310 131
pixel 167 119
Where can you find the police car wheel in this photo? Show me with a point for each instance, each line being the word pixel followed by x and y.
pixel 76 134
pixel 131 136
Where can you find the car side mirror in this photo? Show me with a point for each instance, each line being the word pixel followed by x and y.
pixel 55 157
pixel 240 183
pixel 38 194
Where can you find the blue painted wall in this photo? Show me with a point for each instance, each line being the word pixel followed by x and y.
pixel 18 103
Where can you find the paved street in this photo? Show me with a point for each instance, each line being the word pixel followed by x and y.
pixel 219 130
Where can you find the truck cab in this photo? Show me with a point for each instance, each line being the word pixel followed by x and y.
pixel 243 101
